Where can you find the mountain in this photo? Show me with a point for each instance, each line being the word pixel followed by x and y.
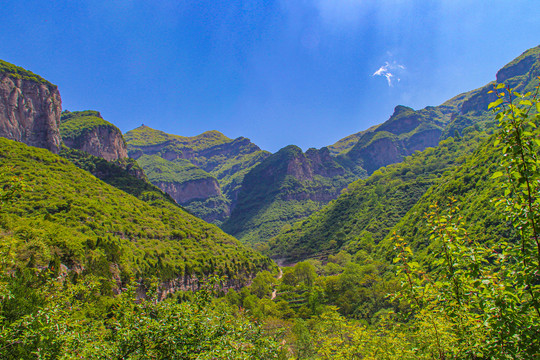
pixel 474 192
pixel 73 222
pixel 30 107
pixel 89 132
pixel 286 186
pixel 405 132
pixel 368 211
pixel 202 173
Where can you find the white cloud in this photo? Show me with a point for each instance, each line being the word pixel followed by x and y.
pixel 391 71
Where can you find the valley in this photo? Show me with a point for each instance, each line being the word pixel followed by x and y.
pixel 416 237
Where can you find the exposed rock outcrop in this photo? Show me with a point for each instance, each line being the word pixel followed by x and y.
pixel 30 108
pixel 89 132
pixel 190 190
pixel 519 66
pixel 405 132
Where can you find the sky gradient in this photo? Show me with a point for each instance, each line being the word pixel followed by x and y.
pixel 303 72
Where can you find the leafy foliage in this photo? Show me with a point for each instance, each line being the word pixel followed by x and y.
pixel 72 218
pixel 75 124
pixel 18 72
pixel 124 174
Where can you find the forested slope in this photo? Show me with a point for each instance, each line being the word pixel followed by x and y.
pixel 69 217
pixel 366 213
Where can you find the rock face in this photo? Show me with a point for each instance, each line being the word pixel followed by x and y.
pixel 283 188
pixel 522 65
pixel 29 108
pixel 89 132
pixel 188 191
pixel 102 142
pixel 405 132
pixel 203 173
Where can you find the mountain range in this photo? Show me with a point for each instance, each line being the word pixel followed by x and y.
pixel 292 205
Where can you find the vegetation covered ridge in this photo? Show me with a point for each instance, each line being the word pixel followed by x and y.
pixel 283 188
pixel 70 217
pixel 146 136
pixel 76 123
pixel 18 72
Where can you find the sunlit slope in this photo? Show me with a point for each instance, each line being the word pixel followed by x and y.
pixel 68 216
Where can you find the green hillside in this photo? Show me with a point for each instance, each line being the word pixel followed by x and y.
pixel 286 186
pixel 160 170
pixel 368 211
pixel 364 214
pixel 68 216
pixel 474 192
pixel 171 161
pixel 124 174
pixel 74 124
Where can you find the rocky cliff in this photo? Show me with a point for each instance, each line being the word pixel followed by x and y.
pixel 89 132
pixel 285 187
pixel 203 173
pixel 184 192
pixel 405 132
pixel 29 108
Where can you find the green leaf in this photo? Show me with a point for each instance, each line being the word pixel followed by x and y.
pixel 496 103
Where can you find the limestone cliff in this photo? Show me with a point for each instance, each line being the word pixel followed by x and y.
pixel 405 132
pixel 203 173
pixel 89 132
pixel 184 192
pixel 283 188
pixel 29 108
pixel 190 186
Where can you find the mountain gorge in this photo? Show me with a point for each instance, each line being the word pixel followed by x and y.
pixel 286 186
pixel 75 223
pixel 202 173
pixel 253 194
pixel 100 258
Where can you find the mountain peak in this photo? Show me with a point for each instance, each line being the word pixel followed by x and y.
pixel 400 109
pixel 520 65
pixel 89 132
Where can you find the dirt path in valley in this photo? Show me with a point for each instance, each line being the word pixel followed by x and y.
pixel 274 293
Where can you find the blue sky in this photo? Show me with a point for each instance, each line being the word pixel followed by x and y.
pixel 303 72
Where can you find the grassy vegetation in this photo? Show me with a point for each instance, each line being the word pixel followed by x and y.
pixel 280 190
pixel 75 219
pixel 74 124
pixel 145 136
pixel 124 174
pixel 178 171
pixel 18 72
